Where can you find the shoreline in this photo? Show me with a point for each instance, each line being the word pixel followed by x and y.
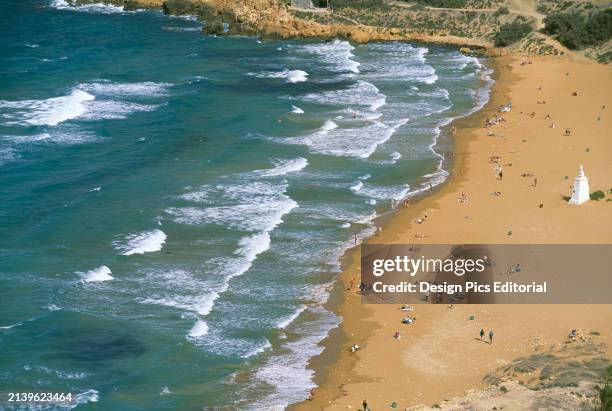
pixel 337 302
pixel 343 377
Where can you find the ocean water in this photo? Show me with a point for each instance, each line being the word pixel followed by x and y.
pixel 173 206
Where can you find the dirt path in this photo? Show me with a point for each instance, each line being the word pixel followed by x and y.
pixel 527 8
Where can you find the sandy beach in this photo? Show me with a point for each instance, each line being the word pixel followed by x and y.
pixel 439 356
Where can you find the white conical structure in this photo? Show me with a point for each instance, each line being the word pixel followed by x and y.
pixel 580 192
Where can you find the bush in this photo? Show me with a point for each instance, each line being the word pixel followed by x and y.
pixel 577 32
pixel 452 4
pixel 358 4
pixel 502 11
pixel 510 33
pixel 605 393
pixel 597 195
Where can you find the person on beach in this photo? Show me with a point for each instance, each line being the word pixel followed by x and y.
pixel 491 337
pixel 535 182
pixel 481 334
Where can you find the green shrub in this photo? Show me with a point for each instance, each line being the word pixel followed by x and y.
pixel 597 195
pixel 452 4
pixel 510 33
pixel 605 392
pixel 502 11
pixel 358 4
pixel 577 32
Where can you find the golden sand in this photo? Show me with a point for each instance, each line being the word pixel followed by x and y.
pixel 439 356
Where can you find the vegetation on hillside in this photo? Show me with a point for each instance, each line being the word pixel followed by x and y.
pixel 510 33
pixel 605 392
pixel 358 4
pixel 577 31
pixel 453 4
pixel 577 24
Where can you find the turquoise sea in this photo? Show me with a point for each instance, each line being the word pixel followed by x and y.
pixel 173 206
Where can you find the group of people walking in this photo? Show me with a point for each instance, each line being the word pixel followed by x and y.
pixel 482 333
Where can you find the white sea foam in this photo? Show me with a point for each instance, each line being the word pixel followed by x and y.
pixel 351 142
pixel 258 350
pixel 84 397
pixel 362 93
pixel 284 323
pixel 200 329
pixel 380 192
pixel 291 76
pixel 288 373
pixel 89 8
pixel 102 273
pixel 201 305
pixel 253 206
pixel 357 187
pixel 114 110
pixel 296 110
pixel 282 167
pixel 88 101
pixel 338 53
pixel 399 61
pixel 187 17
pixel 140 243
pixel 109 88
pixel 63 136
pixel 51 111
pixel 328 126
pixel 8 327
pixel 183 29
pixel 296 76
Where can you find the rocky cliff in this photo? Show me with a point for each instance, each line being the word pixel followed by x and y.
pixel 275 19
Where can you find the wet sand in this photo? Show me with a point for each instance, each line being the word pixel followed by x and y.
pixel 439 356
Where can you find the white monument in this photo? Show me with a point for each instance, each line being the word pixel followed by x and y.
pixel 580 192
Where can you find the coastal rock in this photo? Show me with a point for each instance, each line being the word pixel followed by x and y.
pixel 214 27
pixel 273 19
pixel 182 7
pixel 118 3
pixel 142 4
pixel 354 34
